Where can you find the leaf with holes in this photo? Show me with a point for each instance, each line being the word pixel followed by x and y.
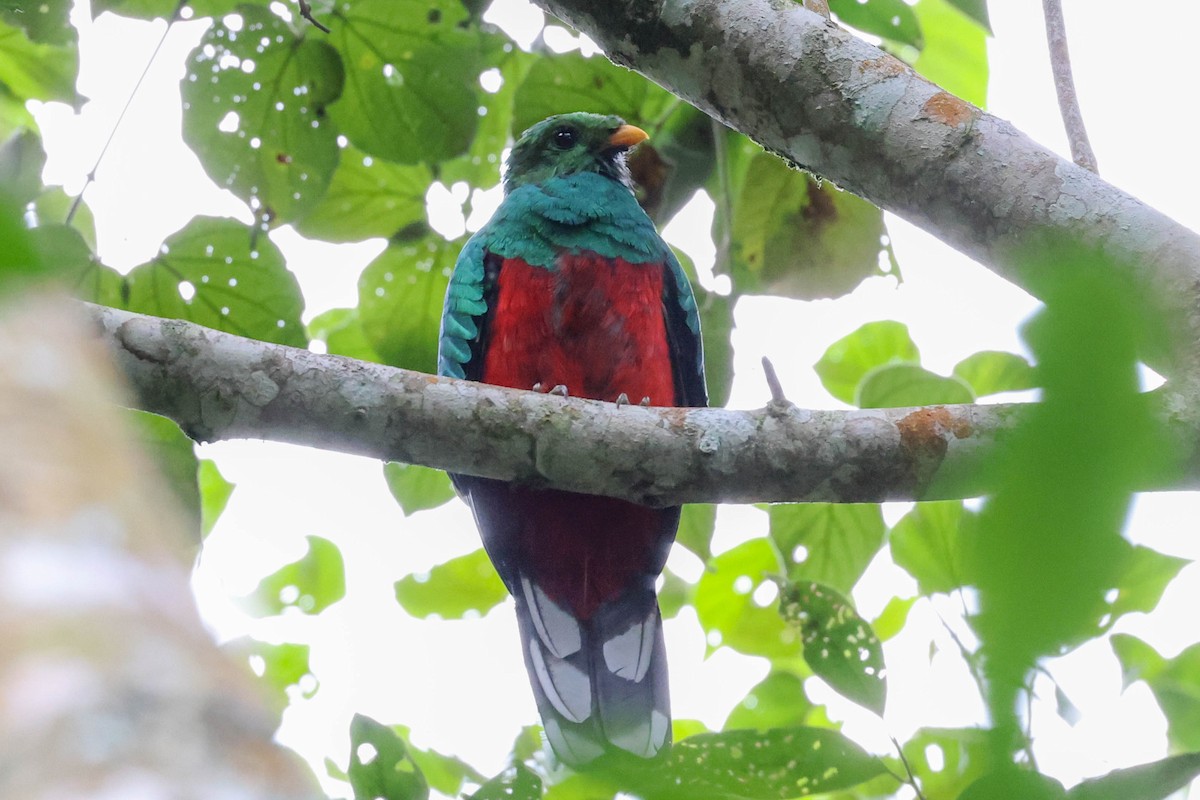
pixel 380 764
pixel 888 19
pixel 795 237
pixel 518 782
pixel 778 701
pixel 947 760
pixel 400 297
pixel 830 543
pixel 280 666
pixel 570 82
pixel 726 606
pixel 465 584
pixel 163 9
pixel 848 360
pixel 781 763
pixel 414 72
pixel 444 774
pixel 927 543
pixel 224 275
pixel 900 385
pixel 993 371
pixel 839 645
pixel 254 100
pixel 47 21
pixel 310 585
pixel 367 197
pixel 417 488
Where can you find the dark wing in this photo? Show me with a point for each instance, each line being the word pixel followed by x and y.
pixel 683 335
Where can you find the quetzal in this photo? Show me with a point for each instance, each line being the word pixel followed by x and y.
pixel 570 286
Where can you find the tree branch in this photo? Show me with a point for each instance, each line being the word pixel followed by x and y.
pixel 1064 86
pixel 220 386
pixel 834 104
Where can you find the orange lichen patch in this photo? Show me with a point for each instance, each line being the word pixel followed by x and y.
pixel 923 432
pixel 885 66
pixel 949 110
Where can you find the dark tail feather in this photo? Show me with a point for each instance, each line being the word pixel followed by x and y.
pixel 600 686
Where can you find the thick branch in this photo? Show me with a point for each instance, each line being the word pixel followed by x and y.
pixel 832 103
pixel 1064 86
pixel 220 386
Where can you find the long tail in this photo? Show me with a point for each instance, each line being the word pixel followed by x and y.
pixel 600 684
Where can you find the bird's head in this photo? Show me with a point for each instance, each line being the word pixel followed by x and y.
pixel 570 143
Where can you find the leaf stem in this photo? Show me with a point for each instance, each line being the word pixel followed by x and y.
pixel 1064 85
pixel 912 779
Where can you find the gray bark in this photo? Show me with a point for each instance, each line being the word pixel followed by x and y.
pixel 220 386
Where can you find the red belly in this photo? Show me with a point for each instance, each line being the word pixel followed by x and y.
pixel 595 326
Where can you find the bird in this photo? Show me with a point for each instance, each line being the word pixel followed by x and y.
pixel 569 289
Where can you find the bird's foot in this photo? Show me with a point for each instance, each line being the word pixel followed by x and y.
pixel 559 390
pixel 537 387
pixel 622 400
pixel 645 402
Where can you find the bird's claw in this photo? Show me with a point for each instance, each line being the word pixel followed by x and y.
pixel 645 402
pixel 537 387
pixel 559 390
pixel 622 400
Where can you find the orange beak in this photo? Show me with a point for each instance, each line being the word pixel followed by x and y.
pixel 627 136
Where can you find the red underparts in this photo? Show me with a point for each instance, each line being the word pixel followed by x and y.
pixel 596 326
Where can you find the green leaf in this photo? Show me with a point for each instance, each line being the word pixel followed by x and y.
pixel 992 372
pixel 830 543
pixel 518 782
pixel 465 584
pixel 674 594
pixel 64 252
pixel 175 456
pixel 20 261
pixel 312 584
pixel 795 237
pixel 342 334
pixel 235 278
pixel 778 701
pixel 215 492
pixel 848 360
pixel 280 666
pixel 36 71
pixel 1144 782
pixel 976 10
pixel 696 524
pixel 899 385
pixel 47 21
pixel 163 9
pixel 888 19
pixel 839 645
pixel 1143 580
pixel 1173 681
pixel 570 82
pixel 444 774
pixel 254 101
pixel 716 330
pixel 955 52
pixel 891 620
pixel 1013 783
pixel 961 753
pixel 380 764
pixel 726 608
pixel 22 160
pixel 927 543
pixel 415 70
pixel 781 763
pixel 417 488
pixel 400 297
pixel 52 206
pixel 367 197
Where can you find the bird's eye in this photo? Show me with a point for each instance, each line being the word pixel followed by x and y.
pixel 564 138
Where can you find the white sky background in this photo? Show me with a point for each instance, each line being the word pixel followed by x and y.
pixel 461 686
